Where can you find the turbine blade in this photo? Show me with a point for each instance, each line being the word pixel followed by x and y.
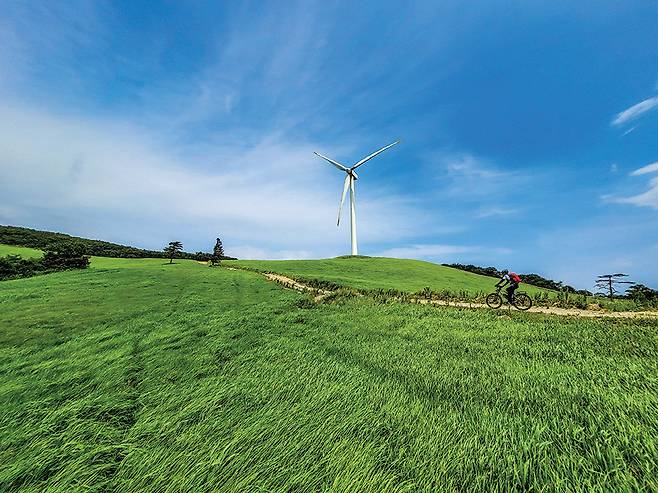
pixel 368 158
pixel 335 163
pixel 348 181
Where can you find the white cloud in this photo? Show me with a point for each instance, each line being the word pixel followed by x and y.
pixel 646 199
pixel 275 196
pixel 635 111
pixel 649 198
pixel 649 168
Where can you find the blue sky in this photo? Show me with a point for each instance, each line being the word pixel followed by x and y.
pixel 529 128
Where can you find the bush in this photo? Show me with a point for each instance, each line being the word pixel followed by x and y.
pixel 14 267
pixel 66 257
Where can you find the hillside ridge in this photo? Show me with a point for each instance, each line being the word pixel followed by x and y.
pixel 45 240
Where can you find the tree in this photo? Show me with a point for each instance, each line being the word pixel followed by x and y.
pixel 69 255
pixel 217 253
pixel 609 283
pixel 203 256
pixel 640 292
pixel 173 249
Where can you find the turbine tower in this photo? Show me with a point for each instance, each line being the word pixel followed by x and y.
pixel 350 178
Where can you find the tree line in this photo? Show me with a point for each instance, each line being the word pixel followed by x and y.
pixel 534 279
pixel 174 249
pixel 606 283
pixel 50 241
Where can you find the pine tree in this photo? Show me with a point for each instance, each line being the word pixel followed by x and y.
pixel 608 284
pixel 173 249
pixel 217 253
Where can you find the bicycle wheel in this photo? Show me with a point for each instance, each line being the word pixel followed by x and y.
pixel 522 302
pixel 494 300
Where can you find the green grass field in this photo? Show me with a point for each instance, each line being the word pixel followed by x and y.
pixel 380 273
pixel 135 375
pixel 17 250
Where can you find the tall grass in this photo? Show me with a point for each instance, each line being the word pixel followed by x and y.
pixel 137 376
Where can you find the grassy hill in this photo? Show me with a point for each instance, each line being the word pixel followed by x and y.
pixel 48 240
pixel 381 273
pixel 358 272
pixel 135 375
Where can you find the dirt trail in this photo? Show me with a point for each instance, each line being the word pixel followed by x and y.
pixel 319 294
pixel 551 310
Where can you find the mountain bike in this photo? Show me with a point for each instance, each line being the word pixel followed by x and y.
pixel 520 301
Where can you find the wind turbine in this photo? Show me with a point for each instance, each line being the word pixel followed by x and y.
pixel 349 184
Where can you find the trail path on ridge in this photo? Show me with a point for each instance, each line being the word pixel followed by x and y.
pixel 319 294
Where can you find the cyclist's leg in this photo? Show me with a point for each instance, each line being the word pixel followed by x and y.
pixel 510 291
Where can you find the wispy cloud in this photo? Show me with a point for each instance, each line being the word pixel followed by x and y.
pixel 256 253
pixel 469 166
pixel 635 111
pixel 468 176
pixel 274 196
pixel 649 168
pixel 425 251
pixel 434 251
pixel 483 188
pixel 649 198
pixel 645 199
pixel 496 211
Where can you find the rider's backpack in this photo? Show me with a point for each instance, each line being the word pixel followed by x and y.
pixel 514 277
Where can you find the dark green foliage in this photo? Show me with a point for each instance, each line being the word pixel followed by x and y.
pixel 640 292
pixel 203 256
pixel 217 253
pixel 13 267
pixel 66 257
pixel 173 250
pixel 483 271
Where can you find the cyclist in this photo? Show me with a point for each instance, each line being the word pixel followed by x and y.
pixel 513 279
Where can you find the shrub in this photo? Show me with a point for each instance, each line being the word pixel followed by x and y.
pixel 66 257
